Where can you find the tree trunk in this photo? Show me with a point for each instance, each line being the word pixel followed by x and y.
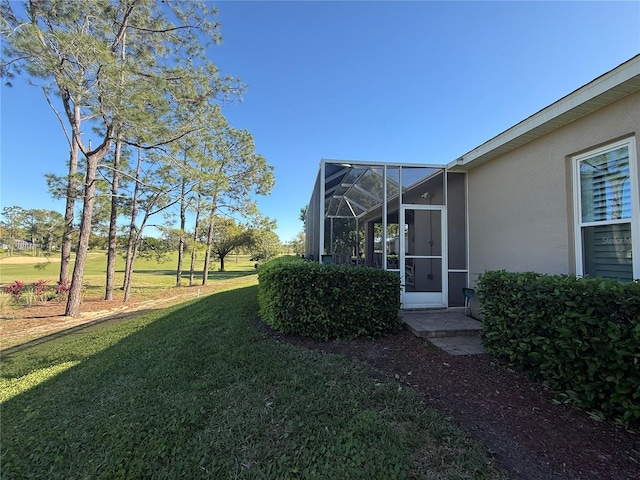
pixel 135 248
pixel 193 266
pixel 112 238
pixel 128 269
pixel 65 250
pixel 196 232
pixel 180 255
pixel 132 260
pixel 207 255
pixel 50 243
pixel 113 231
pixel 183 222
pixel 222 263
pixel 75 291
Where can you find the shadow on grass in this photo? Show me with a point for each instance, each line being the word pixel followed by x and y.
pixel 196 391
pixel 108 396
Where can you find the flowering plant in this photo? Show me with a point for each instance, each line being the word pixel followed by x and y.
pixel 62 290
pixel 40 288
pixel 15 289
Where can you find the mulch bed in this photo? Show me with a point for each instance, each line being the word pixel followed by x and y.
pixel 517 420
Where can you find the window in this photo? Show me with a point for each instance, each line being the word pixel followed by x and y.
pixel 607 212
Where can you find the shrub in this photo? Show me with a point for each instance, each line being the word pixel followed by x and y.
pixel 581 336
pixel 328 301
pixel 62 291
pixel 40 289
pixel 15 289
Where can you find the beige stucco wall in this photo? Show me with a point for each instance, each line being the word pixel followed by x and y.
pixel 520 204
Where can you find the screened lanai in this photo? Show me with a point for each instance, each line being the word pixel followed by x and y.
pixel 410 219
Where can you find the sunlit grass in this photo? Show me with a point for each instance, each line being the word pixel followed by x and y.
pixel 197 391
pixel 10 387
pixel 148 272
pixel 143 298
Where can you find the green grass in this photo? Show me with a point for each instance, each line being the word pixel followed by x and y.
pixel 196 391
pixel 147 273
pixel 151 278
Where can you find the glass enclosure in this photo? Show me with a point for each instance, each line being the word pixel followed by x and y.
pixel 406 218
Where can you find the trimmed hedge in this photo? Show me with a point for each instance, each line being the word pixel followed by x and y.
pixel 328 301
pixel 581 336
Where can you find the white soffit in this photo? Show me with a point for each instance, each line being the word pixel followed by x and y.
pixel 604 90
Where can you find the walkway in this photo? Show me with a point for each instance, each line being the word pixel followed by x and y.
pixel 449 330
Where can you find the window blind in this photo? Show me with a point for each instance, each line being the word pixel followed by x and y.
pixel 605 187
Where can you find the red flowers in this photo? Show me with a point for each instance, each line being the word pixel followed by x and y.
pixel 37 291
pixel 15 289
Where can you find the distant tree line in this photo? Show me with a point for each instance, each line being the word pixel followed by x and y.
pixel 39 232
pixel 38 229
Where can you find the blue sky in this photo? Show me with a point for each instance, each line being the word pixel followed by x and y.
pixel 419 82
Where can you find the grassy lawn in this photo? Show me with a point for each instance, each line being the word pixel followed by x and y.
pixel 147 273
pixel 151 279
pixel 196 391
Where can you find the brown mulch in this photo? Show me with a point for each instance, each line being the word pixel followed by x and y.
pixel 531 436
pixel 22 325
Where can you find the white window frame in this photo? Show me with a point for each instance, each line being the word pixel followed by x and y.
pixel 630 143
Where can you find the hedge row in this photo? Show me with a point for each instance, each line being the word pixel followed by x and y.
pixel 328 301
pixel 582 336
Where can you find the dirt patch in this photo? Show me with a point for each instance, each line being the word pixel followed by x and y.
pixel 19 325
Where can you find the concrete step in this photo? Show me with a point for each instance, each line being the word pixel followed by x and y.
pixel 448 330
pixel 440 323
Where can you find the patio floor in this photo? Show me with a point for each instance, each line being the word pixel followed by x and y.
pixel 449 330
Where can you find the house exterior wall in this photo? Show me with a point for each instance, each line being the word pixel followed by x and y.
pixel 520 205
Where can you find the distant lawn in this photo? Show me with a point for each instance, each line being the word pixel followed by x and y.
pixel 150 278
pixel 147 272
pixel 196 391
